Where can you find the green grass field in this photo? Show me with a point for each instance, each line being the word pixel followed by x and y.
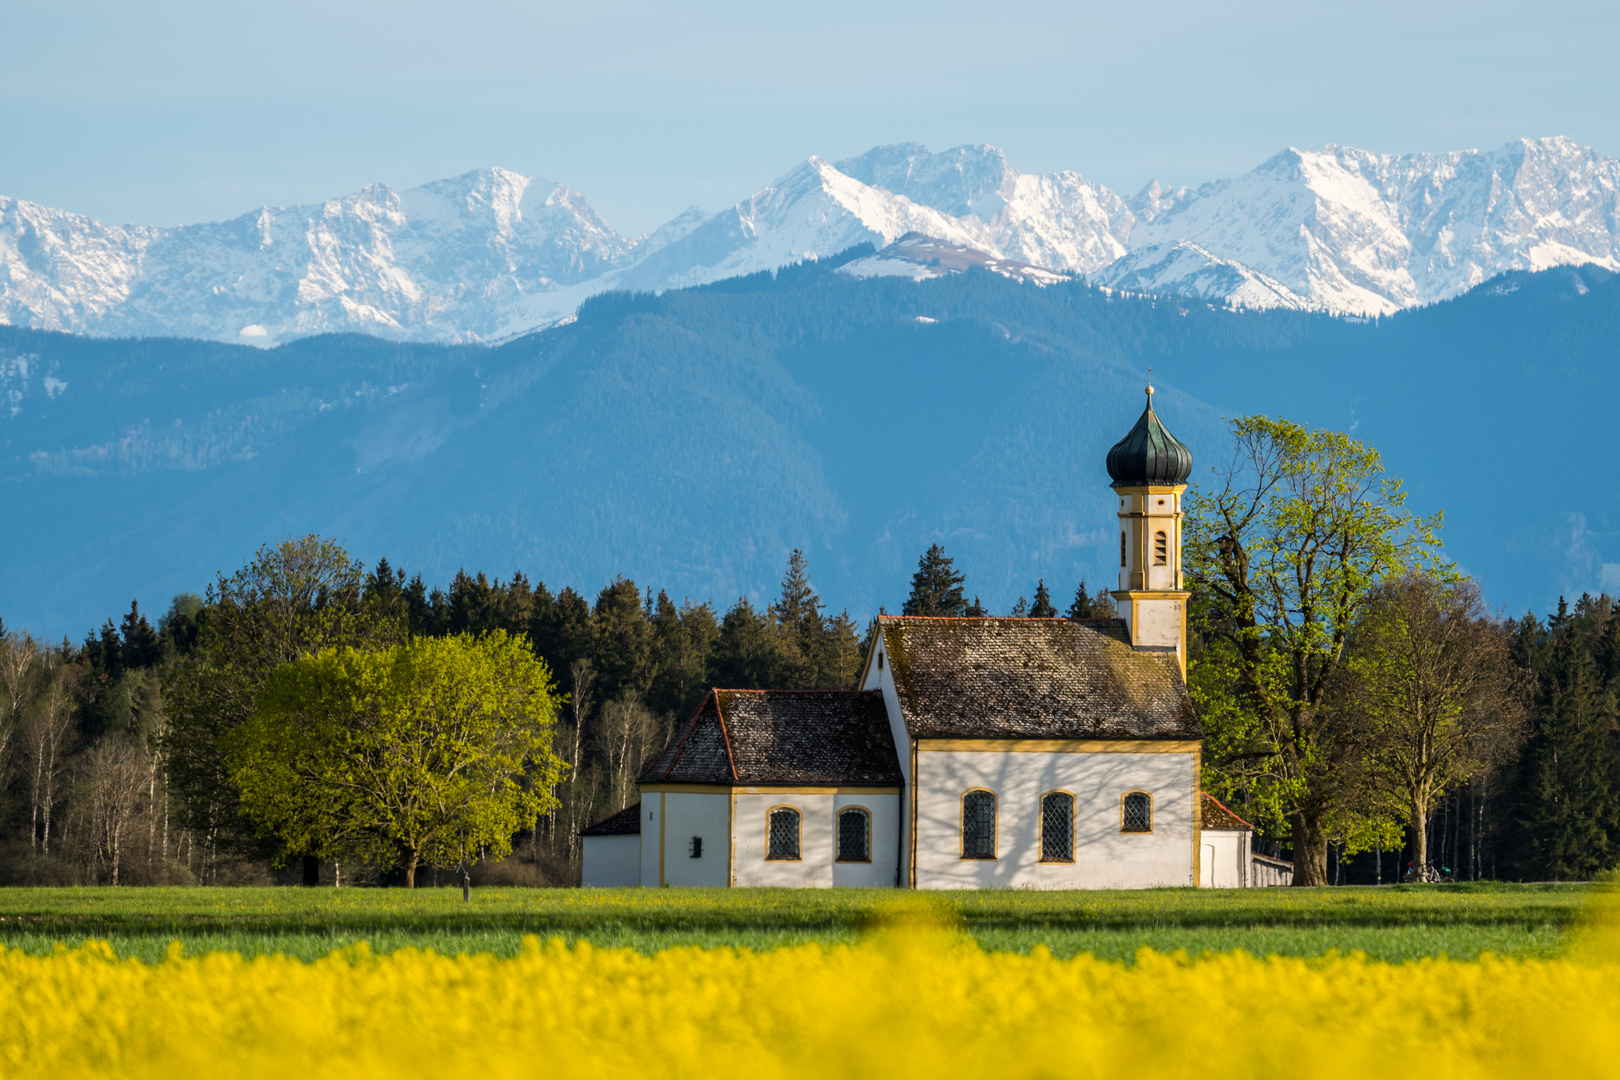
pixel 1390 923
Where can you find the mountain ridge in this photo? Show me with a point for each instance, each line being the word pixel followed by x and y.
pixel 490 254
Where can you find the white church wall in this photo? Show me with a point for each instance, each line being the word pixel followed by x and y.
pixel 1105 857
pixel 705 816
pixel 669 821
pixel 1225 858
pixel 818 815
pixel 610 862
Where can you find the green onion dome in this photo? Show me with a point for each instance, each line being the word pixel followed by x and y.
pixel 1149 455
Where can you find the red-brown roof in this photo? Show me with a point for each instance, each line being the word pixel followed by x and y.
pixel 1217 816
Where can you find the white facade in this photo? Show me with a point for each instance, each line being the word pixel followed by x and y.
pixel 670 822
pixel 610 861
pixel 733 826
pixel 817 864
pixel 1225 862
pixel 1104 856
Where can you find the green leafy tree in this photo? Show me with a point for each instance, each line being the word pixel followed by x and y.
pixel 1438 692
pixel 296 597
pixel 936 587
pixel 1287 542
pixel 435 750
pixel 1041 607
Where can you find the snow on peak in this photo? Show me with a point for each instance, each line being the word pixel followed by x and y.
pixel 490 252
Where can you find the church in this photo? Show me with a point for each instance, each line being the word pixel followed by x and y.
pixel 976 753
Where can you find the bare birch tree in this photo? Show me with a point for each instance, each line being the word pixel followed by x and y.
pixel 115 771
pixel 628 730
pixel 20 662
pixel 46 741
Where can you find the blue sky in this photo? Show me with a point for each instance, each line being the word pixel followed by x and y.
pixel 163 111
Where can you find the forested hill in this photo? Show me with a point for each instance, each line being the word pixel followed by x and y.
pixel 692 439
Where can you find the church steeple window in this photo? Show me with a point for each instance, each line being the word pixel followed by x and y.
pixel 1161 548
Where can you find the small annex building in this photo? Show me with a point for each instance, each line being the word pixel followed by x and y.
pixel 975 752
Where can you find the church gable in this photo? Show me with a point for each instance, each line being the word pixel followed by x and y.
pixel 979 678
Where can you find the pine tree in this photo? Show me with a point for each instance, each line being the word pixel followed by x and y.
pixel 1042 607
pixel 1566 801
pixel 747 654
pixel 1085 606
pixel 1019 610
pixel 141 645
pixel 936 587
pixel 797 616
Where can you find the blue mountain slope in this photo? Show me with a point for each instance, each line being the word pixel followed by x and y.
pixel 690 440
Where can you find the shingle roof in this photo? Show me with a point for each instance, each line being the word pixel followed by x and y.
pixel 1033 679
pixel 1216 816
pixel 782 737
pixel 626 822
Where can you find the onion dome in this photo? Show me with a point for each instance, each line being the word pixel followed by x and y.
pixel 1149 455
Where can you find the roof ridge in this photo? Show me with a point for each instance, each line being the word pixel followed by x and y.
pixel 691 725
pixel 777 690
pixel 725 735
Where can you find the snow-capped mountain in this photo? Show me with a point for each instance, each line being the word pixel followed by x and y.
pixel 1183 268
pixel 443 261
pixel 490 254
pixel 1365 233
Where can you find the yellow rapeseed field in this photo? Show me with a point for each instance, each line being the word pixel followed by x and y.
pixel 913 1000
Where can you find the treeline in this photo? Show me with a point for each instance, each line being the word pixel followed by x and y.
pixel 1539 799
pixel 110 763
pixel 1447 741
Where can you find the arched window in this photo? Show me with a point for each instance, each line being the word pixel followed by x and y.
pixel 1161 548
pixel 784 839
pixel 854 835
pixel 1122 549
pixel 1057 827
pixel 1136 812
pixel 979 825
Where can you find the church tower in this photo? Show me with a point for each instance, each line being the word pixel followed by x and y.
pixel 1149 468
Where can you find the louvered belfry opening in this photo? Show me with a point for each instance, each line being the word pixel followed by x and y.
pixel 854 836
pixel 1057 827
pixel 784 834
pixel 978 825
pixel 1161 549
pixel 1137 813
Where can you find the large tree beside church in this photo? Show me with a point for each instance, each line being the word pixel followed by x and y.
pixel 1287 542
